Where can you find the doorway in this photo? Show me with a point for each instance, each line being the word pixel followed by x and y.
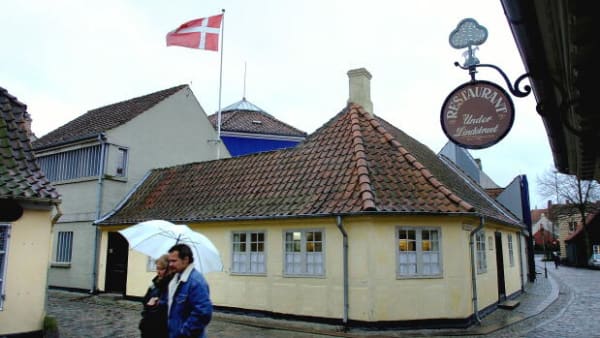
pixel 500 266
pixel 116 263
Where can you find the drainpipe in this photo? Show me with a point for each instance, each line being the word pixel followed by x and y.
pixel 340 226
pixel 473 272
pixel 101 168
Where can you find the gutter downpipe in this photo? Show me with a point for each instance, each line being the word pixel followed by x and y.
pixel 340 226
pixel 473 272
pixel 102 140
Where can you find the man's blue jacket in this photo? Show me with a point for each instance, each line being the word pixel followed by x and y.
pixel 191 308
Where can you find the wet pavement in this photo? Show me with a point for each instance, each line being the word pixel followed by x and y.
pixel 566 304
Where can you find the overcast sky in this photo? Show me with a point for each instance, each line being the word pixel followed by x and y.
pixel 65 57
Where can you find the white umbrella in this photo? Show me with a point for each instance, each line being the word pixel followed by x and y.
pixel 155 238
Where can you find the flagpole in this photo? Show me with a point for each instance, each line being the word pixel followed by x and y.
pixel 220 87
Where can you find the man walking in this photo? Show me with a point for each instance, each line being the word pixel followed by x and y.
pixel 190 308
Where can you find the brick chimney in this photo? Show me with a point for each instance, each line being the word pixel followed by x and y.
pixel 360 88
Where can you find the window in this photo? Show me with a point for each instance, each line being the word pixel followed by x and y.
pixel 121 165
pixel 418 252
pixel 151 265
pixel 596 249
pixel 511 255
pixel 64 247
pixel 4 234
pixel 480 252
pixel 248 253
pixel 572 226
pixel 84 162
pixel 304 253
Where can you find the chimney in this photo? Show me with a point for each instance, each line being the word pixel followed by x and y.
pixel 360 88
pixel 478 161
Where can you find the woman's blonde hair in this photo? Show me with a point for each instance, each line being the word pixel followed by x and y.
pixel 162 261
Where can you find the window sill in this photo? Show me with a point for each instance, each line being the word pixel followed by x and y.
pixel 248 274
pixel 60 265
pixel 420 277
pixel 304 276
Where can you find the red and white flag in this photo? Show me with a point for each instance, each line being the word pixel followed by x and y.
pixel 199 33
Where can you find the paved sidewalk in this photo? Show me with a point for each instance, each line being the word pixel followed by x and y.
pixel 81 315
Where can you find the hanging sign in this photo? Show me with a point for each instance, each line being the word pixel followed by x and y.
pixel 477 114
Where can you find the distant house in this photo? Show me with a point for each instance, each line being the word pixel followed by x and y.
pixel 27 204
pixel 358 224
pixel 575 243
pixel 95 159
pixel 247 129
pixel 545 231
pixel 558 221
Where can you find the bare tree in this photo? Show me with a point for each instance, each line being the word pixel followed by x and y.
pixel 578 195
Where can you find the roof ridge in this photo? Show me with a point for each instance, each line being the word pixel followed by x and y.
pixel 145 96
pixel 362 165
pixel 416 164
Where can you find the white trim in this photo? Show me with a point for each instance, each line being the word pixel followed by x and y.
pixel 262 136
pixel 418 252
pixel 7 226
pixel 247 252
pixel 304 253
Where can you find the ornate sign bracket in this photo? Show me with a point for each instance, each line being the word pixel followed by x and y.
pixel 478 114
pixel 513 88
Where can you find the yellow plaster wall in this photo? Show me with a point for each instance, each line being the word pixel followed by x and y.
pixel 487 282
pixel 375 293
pixel 26 273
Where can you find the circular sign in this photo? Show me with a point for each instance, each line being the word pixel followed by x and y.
pixel 477 114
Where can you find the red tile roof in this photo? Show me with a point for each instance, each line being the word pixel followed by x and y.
pixel 244 117
pixel 536 214
pixel 104 118
pixel 354 163
pixel 20 175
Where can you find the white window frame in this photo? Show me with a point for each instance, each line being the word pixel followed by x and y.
pixel 480 252
pixel 511 254
pixel 121 162
pixel 4 236
pixel 307 257
pixel 151 264
pixel 425 261
pixel 248 253
pixel 64 247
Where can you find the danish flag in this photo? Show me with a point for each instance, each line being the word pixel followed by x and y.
pixel 199 33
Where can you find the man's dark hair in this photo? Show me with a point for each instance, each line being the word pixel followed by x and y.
pixel 183 251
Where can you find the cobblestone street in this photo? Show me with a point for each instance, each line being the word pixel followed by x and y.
pixel 564 305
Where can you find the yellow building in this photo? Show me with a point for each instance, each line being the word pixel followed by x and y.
pixel 27 202
pixel 359 224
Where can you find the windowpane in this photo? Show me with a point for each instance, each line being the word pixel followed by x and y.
pixel 64 246
pixel 71 164
pixel 418 252
pixel 304 253
pixel 511 256
pixel 481 254
pixel 248 253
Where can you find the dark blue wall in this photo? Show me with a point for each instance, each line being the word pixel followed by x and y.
pixel 239 146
